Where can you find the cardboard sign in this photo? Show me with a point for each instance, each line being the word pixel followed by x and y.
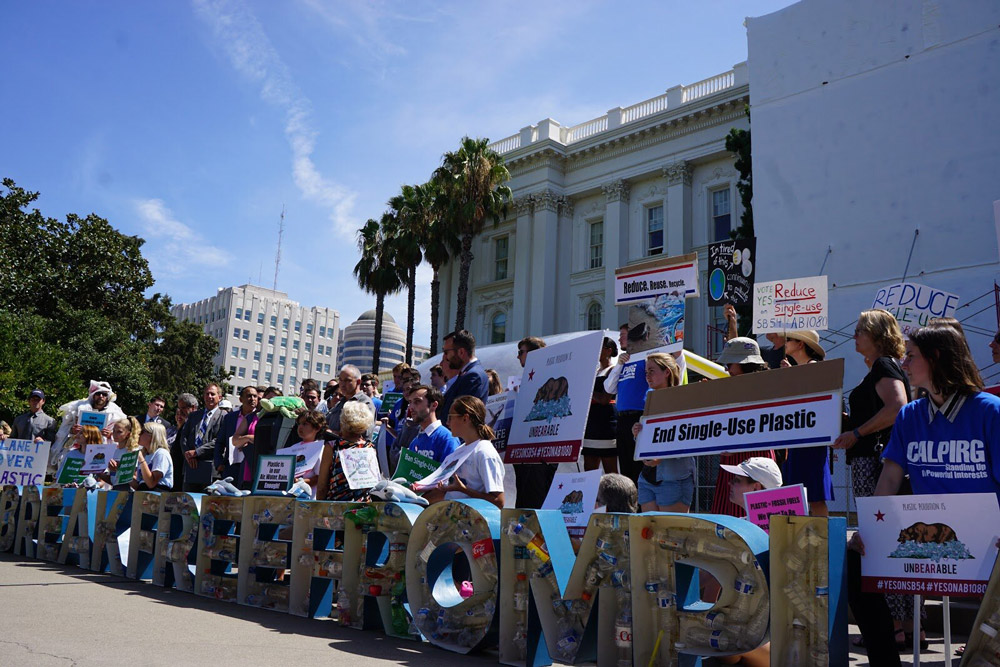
pixel 784 500
pixel 274 474
pixel 914 305
pixel 91 418
pixel 499 416
pixel 414 467
pixel 574 494
pixel 70 471
pixel 658 323
pixel 638 282
pixel 23 462
pixel 731 272
pixel 360 465
pixel 126 468
pixel 389 400
pixel 790 305
pixel 550 415
pixel 306 456
pixel 448 468
pixel 928 545
pixel 790 407
pixel 96 458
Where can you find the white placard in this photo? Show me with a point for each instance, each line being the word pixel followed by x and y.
pixel 913 305
pixel 574 494
pixel 95 459
pixel 550 413
pixel 23 462
pixel 360 466
pixel 306 456
pixel 448 468
pixel 928 545
pixel 790 305
pixel 651 279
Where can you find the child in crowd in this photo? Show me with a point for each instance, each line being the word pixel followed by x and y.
pixel 155 469
pixel 88 435
pixel 309 425
pixel 481 473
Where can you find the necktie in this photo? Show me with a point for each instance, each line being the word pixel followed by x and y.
pixel 202 429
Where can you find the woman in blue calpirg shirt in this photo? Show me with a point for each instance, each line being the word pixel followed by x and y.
pixel 947 442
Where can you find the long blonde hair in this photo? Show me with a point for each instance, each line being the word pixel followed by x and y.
pixel 159 436
pixel 132 424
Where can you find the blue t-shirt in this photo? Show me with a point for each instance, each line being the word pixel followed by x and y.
pixel 942 456
pixel 377 402
pixel 439 444
pixel 632 386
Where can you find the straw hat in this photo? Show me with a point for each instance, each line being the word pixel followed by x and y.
pixel 810 338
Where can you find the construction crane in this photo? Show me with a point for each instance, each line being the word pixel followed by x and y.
pixel 277 255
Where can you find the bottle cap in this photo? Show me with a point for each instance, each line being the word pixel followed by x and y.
pixel 797 622
pixel 647 532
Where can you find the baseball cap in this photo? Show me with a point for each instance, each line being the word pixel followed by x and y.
pixel 759 469
pixel 226 404
pixel 740 351
pixel 37 393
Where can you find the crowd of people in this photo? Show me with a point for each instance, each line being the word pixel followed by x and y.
pixel 926 388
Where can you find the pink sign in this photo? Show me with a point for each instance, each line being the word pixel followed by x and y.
pixel 787 500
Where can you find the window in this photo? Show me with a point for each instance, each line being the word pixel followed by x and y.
pixel 239 313
pixel 309 347
pixel 322 332
pixel 270 358
pixel 309 327
pixel 256 355
pixel 281 378
pixel 246 315
pixel 594 314
pixel 654 230
pixel 298 326
pixel 246 334
pixel 235 352
pixel 260 338
pixel 498 328
pixel 284 324
pixel 721 223
pixel 500 258
pixel 284 341
pixel 291 380
pixel 236 334
pixel 270 339
pixel 267 376
pixel 326 368
pixel 319 367
pixel 255 374
pixel 295 344
pixel 260 318
pixel 232 370
pixel 274 321
pixel 295 362
pixel 243 353
pixel 281 360
pixel 242 372
pixel 597 244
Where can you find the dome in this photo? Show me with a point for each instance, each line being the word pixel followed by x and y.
pixel 370 315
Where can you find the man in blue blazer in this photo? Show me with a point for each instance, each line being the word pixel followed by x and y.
pixel 245 417
pixel 459 352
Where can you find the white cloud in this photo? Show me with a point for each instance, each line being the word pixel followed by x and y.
pixel 173 248
pixel 251 54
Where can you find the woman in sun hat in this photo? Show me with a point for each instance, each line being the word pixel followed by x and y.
pixel 809 466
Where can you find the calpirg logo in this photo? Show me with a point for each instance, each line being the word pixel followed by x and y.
pixel 946 451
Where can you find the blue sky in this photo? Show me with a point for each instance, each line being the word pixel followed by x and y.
pixel 192 124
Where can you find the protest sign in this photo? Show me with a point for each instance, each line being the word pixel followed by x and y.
pixel 731 272
pixel 499 415
pixel 91 418
pixel 70 471
pixel 550 415
pixel 413 467
pixel 928 545
pixel 664 275
pixel 95 459
pixel 23 462
pixel 658 323
pixel 306 456
pixel 914 305
pixel 389 400
pixel 790 305
pixel 360 465
pixel 784 500
pixel 274 474
pixel 126 468
pixel 513 382
pixel 574 494
pixel 790 407
pixel 444 473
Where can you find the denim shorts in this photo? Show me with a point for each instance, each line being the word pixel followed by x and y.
pixel 667 492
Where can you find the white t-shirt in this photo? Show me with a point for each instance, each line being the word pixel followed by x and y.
pixel 482 471
pixel 159 460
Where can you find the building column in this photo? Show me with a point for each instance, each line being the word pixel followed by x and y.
pixel 616 239
pixel 522 268
pixel 544 261
pixel 679 222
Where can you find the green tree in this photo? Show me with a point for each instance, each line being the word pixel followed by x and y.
pixel 27 362
pixel 409 208
pixel 440 243
pixel 376 271
pixel 181 361
pixel 472 179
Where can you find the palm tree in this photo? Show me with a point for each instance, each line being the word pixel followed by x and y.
pixel 376 272
pixel 440 243
pixel 472 179
pixel 405 239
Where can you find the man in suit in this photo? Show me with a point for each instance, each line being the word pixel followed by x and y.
pixel 240 422
pixel 459 352
pixel 186 404
pixel 34 424
pixel 154 410
pixel 197 440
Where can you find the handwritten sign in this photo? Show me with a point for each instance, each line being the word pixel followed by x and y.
pixel 91 418
pixel 95 459
pixel 360 465
pixel 306 456
pixel 413 467
pixel 914 305
pixel 929 545
pixel 786 500
pixel 731 269
pixel 790 305
pixel 274 474
pixel 550 413
pixel 574 494
pixel 791 407
pixel 126 468
pixel 638 282
pixel 23 462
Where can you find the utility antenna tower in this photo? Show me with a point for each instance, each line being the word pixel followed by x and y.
pixel 277 255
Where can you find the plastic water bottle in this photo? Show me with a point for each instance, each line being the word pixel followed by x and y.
pixel 623 628
pixel 343 607
pixel 519 533
pixel 796 652
pixel 520 592
pixel 520 640
pixel 698 636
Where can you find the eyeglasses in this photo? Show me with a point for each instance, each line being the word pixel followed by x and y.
pixel 446 350
pixel 101 393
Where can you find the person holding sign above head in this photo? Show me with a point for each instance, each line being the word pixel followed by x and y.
pixel 87 435
pixel 665 485
pixel 355 423
pixel 480 474
pixel 155 469
pixel 809 466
